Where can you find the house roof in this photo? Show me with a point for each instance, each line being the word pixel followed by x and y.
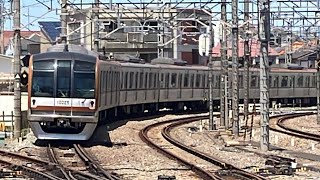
pixel 50 29
pixel 255 49
pixel 9 34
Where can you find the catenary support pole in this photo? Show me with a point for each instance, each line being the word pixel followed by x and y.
pixel 235 69
pixel 247 55
pixel 264 33
pixel 96 26
pixel 224 118
pixel 318 81
pixel 212 123
pixel 63 18
pixel 17 69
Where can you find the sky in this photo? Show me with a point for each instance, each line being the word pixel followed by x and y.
pixel 33 11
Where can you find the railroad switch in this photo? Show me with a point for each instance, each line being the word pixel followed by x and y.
pixel 7 173
pixel 164 177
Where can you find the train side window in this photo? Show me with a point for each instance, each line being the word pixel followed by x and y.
pixel 203 81
pixel 307 82
pixel 126 81
pixel 141 80
pixel 314 81
pixel 300 81
pixel 198 79
pixel 131 80
pixel 253 82
pixel 180 80
pixel 150 80
pixel 155 80
pixel 192 81
pixel 136 80
pixel 186 80
pixel 173 80
pixel 112 80
pixel 284 81
pixel 240 81
pixel 167 80
pixel 162 80
pixel 276 81
pixel 146 80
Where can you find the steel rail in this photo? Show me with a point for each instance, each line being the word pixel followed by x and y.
pixel 218 162
pixel 93 164
pixel 199 171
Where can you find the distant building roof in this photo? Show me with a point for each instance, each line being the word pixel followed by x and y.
pixel 255 49
pixel 9 34
pixel 50 29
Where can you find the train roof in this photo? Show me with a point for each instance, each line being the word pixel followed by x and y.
pixel 64 56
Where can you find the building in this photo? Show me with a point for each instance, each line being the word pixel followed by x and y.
pixel 49 32
pixel 145 32
pixel 30 42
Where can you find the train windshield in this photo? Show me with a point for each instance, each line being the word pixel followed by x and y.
pixel 43 78
pixel 84 80
pixel 42 84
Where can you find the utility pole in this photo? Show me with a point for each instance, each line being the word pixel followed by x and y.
pixel 264 35
pixel 17 52
pixel 2 18
pixel 224 112
pixel 63 17
pixel 212 123
pixel 161 30
pixel 96 27
pixel 318 81
pixel 235 69
pixel 247 56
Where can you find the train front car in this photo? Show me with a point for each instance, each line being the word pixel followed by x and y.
pixel 62 96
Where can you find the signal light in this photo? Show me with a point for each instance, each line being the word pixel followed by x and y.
pixel 24 78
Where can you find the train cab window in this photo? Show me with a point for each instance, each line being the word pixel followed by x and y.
pixel 192 81
pixel 198 79
pixel 253 82
pixel 64 79
pixel 42 84
pixel 300 81
pixel 284 81
pixel 186 80
pixel 307 82
pixel 43 65
pixel 85 89
pixel 141 80
pixel 173 80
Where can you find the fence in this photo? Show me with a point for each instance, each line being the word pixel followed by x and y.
pixel 7 124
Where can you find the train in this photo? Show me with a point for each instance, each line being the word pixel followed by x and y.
pixel 71 90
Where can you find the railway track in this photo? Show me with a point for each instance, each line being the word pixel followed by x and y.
pixel 93 165
pixel 37 169
pixel 290 131
pixel 226 171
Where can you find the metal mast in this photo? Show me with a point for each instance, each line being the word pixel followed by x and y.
pixel 318 81
pixel 212 123
pixel 224 112
pixel 2 18
pixel 235 69
pixel 17 54
pixel 96 26
pixel 63 17
pixel 264 32
pixel 247 56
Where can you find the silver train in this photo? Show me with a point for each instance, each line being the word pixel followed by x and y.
pixel 71 90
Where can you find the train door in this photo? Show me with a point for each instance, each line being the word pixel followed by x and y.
pixel 64 75
pixel 192 84
pixel 179 85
